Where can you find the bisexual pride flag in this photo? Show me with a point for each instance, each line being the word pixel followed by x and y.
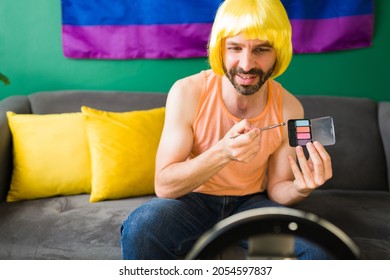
pixel 130 29
pixel 330 25
pixel 124 29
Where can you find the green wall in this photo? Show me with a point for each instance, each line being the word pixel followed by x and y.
pixel 31 56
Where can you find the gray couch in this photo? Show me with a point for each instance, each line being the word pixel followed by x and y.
pixel 356 199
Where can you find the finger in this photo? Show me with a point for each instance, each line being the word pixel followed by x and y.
pixel 307 169
pixel 301 157
pixel 247 137
pixel 243 126
pixel 243 154
pixel 253 133
pixel 300 181
pixel 317 164
pixel 325 158
pixel 240 128
pixel 251 148
pixel 243 148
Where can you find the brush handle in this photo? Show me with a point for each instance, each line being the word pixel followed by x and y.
pixel 272 126
pixel 263 128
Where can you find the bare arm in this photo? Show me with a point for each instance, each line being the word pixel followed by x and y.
pixel 177 175
pixel 289 184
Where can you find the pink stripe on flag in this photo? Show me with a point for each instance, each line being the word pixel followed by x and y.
pixel 323 35
pixel 136 41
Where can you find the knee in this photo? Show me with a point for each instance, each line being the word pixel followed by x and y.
pixel 141 232
pixel 137 222
pixel 146 219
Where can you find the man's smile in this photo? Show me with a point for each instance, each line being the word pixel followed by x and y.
pixel 245 79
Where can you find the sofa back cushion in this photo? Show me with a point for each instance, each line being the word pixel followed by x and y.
pixel 53 102
pixel 358 157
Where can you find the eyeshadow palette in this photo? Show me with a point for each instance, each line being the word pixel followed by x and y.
pixel 302 131
pixel 299 132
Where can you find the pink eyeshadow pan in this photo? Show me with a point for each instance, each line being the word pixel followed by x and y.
pixel 303 136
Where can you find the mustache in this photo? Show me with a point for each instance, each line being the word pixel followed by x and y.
pixel 253 71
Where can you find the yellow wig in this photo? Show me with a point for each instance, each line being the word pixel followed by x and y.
pixel 256 19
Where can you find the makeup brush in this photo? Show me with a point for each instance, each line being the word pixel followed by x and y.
pixel 263 128
pixel 272 126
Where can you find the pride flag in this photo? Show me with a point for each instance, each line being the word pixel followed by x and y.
pixel 123 29
pixel 330 25
pixel 130 29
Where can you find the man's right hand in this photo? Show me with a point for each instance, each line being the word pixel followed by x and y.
pixel 242 141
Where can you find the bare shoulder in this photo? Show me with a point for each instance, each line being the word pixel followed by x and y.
pixel 292 107
pixel 183 97
pixel 188 87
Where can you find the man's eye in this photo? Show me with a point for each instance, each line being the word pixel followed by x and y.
pixel 234 48
pixel 261 50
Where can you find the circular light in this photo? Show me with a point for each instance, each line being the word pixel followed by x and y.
pixel 293 226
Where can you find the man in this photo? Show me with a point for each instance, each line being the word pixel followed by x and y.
pixel 213 161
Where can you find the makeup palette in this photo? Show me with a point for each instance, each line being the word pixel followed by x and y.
pixel 303 131
pixel 299 132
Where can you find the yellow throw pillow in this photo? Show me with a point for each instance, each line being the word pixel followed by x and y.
pixel 50 154
pixel 123 148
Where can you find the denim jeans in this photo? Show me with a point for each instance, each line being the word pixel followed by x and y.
pixel 168 228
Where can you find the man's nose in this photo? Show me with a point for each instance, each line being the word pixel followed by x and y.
pixel 247 62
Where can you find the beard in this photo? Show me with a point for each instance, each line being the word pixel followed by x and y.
pixel 248 89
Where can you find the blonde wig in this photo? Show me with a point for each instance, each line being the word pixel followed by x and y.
pixel 256 19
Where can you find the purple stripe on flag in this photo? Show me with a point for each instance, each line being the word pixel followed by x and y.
pixel 136 41
pixel 323 35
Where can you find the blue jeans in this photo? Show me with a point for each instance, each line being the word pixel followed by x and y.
pixel 168 228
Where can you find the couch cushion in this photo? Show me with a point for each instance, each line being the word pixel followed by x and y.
pixel 51 102
pixel 123 150
pixel 60 228
pixel 51 156
pixel 358 156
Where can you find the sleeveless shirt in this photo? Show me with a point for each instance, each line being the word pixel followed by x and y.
pixel 213 120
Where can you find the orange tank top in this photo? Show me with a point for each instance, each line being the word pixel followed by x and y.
pixel 213 120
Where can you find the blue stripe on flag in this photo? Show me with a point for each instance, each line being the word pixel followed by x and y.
pixel 138 12
pixel 324 9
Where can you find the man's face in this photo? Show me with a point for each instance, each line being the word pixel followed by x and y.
pixel 248 63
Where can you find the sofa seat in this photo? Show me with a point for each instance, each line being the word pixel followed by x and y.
pixel 67 227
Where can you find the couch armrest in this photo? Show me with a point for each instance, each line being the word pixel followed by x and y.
pixel 384 126
pixel 18 104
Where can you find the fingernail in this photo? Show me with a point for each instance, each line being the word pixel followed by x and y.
pixel 316 143
pixel 309 145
